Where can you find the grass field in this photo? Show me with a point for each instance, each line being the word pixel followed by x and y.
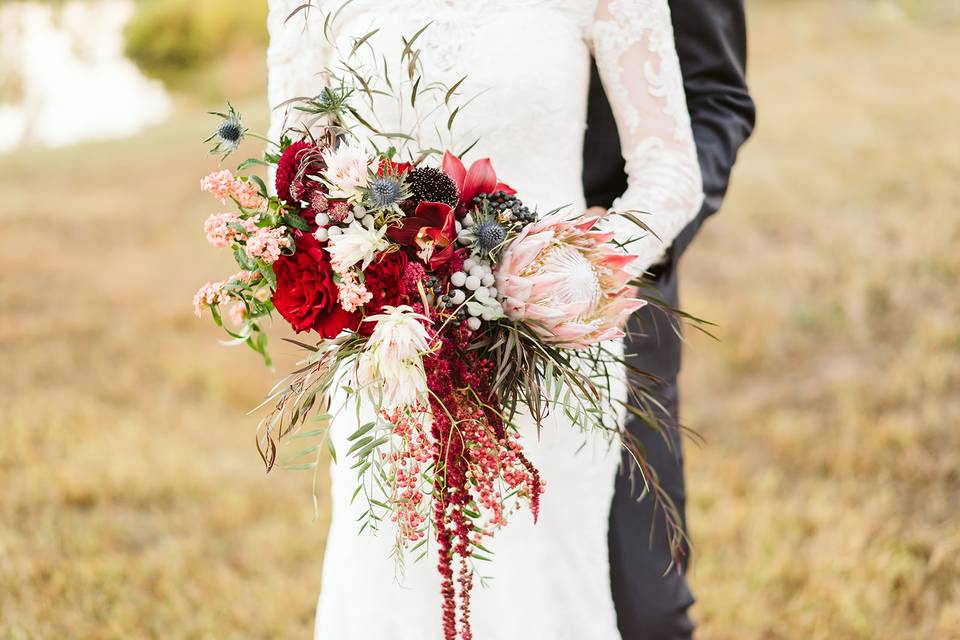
pixel 825 502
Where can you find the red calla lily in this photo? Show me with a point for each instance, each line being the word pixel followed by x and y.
pixel 480 178
pixel 431 230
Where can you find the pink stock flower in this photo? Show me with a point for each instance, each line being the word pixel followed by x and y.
pixel 209 294
pixel 247 195
pixel 223 185
pixel 267 244
pixel 237 314
pixel 218 230
pixel 568 282
pixel 352 293
pixel 244 276
pixel 219 184
pixel 220 233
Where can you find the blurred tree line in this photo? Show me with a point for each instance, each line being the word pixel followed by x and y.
pixel 168 39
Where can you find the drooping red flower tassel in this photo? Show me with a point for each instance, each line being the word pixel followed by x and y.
pixel 472 452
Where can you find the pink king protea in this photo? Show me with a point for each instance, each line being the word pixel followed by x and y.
pixel 568 282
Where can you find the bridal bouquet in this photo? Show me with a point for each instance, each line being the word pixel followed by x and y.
pixel 427 289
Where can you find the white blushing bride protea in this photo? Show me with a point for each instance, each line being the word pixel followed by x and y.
pixel 567 282
pixel 391 363
pixel 356 245
pixel 347 172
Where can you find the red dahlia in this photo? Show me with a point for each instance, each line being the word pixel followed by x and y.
pixel 289 188
pixel 384 280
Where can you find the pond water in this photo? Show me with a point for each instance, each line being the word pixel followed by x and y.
pixel 64 78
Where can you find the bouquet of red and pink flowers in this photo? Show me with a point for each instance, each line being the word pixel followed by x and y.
pixel 432 292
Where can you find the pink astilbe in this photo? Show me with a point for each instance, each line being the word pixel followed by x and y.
pixel 267 244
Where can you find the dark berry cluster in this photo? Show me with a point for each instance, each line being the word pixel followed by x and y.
pixel 432 284
pixel 499 201
pixel 432 185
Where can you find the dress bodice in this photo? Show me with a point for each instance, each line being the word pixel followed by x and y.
pixel 523 102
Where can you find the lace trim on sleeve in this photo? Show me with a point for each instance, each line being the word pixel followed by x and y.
pixel 635 52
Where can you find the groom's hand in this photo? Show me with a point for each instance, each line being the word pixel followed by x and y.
pixel 596 211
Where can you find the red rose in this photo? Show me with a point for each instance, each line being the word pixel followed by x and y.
pixel 306 294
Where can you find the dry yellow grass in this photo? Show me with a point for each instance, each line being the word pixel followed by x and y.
pixel 824 504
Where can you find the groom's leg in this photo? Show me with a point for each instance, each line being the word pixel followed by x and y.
pixel 650 605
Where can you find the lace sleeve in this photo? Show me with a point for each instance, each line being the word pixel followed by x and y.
pixel 297 56
pixel 636 55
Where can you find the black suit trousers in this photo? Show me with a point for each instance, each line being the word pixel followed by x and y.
pixel 651 604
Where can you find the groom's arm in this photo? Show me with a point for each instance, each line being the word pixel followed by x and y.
pixel 711 40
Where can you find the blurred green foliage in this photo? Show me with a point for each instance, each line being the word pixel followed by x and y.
pixel 169 39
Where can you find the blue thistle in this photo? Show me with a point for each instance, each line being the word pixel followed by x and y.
pixel 331 102
pixel 384 192
pixel 229 133
pixel 485 234
pixel 489 235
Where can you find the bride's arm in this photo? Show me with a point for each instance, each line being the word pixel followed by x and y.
pixel 297 56
pixel 636 55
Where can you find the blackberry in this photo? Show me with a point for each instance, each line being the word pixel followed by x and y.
pixel 500 201
pixel 432 185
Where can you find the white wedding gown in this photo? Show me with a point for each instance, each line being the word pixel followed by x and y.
pixel 529 63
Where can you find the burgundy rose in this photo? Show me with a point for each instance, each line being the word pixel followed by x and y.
pixel 430 231
pixel 306 294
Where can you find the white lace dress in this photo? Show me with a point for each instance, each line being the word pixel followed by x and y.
pixel 528 61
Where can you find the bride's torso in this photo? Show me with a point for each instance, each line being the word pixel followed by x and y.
pixel 523 102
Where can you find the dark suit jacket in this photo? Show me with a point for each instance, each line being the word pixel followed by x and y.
pixel 711 42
